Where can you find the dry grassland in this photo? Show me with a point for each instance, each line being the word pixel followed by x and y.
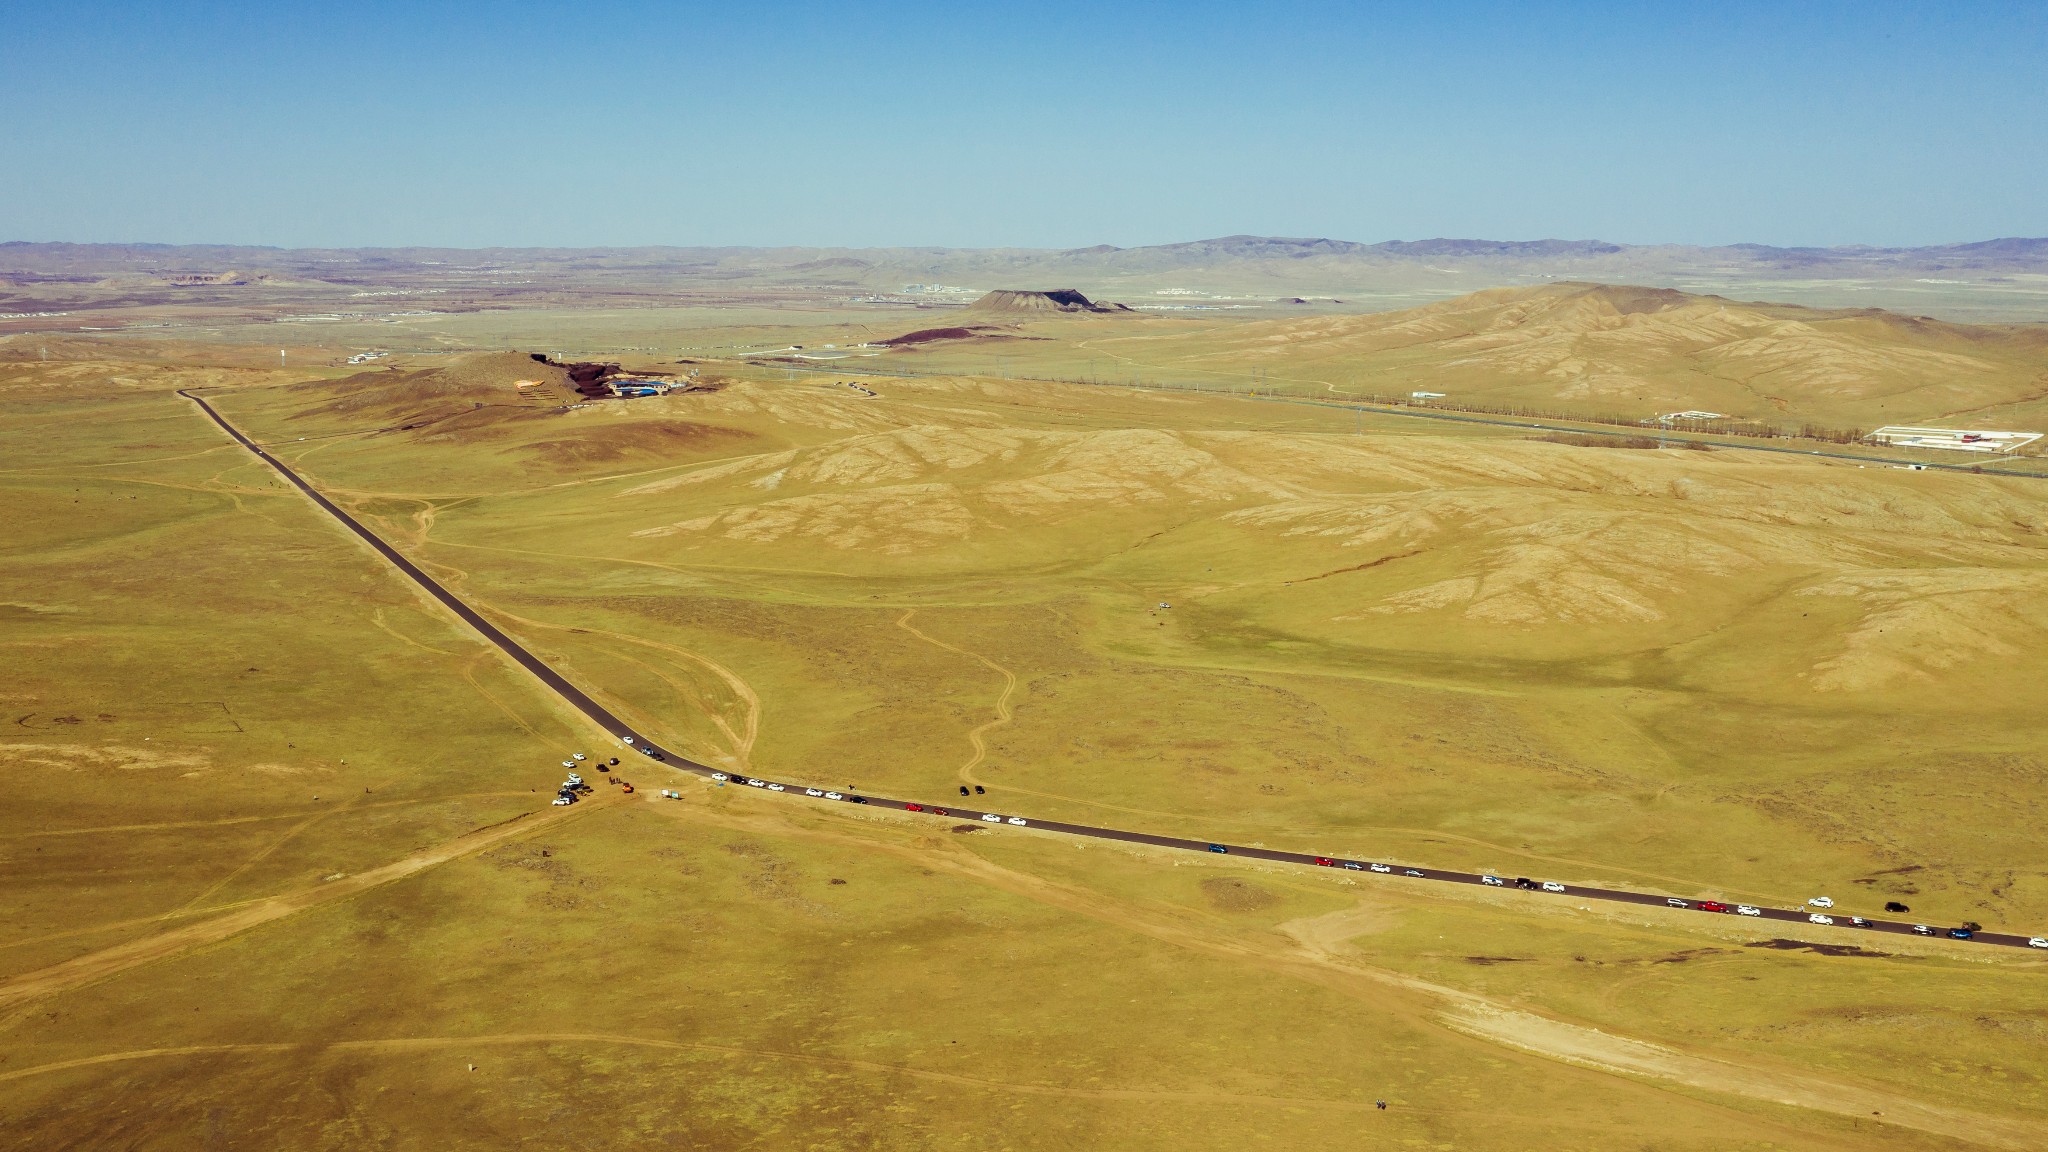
pixel 1572 348
pixel 1705 673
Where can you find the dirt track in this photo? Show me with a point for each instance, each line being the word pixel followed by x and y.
pixel 97 965
pixel 1314 949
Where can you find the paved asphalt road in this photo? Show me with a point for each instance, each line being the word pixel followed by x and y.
pixel 950 811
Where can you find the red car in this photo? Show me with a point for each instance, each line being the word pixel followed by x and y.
pixel 1712 906
pixel 913 807
pixel 1326 862
pixel 940 812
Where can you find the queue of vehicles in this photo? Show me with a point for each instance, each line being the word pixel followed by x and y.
pixel 1821 904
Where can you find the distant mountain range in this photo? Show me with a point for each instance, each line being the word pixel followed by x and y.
pixel 2024 254
pixel 2009 275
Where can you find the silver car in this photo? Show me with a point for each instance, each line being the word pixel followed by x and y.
pixel 1817 918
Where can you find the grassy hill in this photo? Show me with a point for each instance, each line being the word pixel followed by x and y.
pixel 1593 349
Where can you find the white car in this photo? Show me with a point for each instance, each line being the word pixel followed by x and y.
pixel 1817 918
pixel 1821 902
pixel 753 783
pixel 1382 868
pixel 834 796
pixel 991 817
pixel 574 778
pixel 812 792
pixel 568 763
pixel 720 776
pixel 578 757
pixel 1748 910
pixel 1552 886
pixel 2038 942
pixel 1493 881
pixel 775 788
pixel 563 801
pixel 1017 820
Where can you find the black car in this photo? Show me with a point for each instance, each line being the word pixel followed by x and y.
pixel 1895 906
pixel 979 790
pixel 1218 848
pixel 614 760
pixel 858 799
pixel 1525 882
pixel 963 789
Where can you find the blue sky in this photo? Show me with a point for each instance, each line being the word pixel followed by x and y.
pixel 1041 124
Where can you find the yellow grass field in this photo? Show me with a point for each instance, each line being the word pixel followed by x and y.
pixel 283 873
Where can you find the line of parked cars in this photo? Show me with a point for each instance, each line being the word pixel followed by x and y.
pixel 1965 932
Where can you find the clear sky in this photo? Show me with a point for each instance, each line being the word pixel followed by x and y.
pixel 1032 124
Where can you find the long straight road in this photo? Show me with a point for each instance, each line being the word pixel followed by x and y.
pixel 618 728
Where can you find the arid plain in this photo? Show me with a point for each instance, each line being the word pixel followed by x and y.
pixel 284 874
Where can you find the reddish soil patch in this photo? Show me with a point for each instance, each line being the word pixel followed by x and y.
pixel 930 335
pixel 663 440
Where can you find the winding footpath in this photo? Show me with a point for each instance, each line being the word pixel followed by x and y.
pixel 618 728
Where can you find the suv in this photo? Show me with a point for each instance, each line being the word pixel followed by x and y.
pixel 1493 881
pixel 1552 886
